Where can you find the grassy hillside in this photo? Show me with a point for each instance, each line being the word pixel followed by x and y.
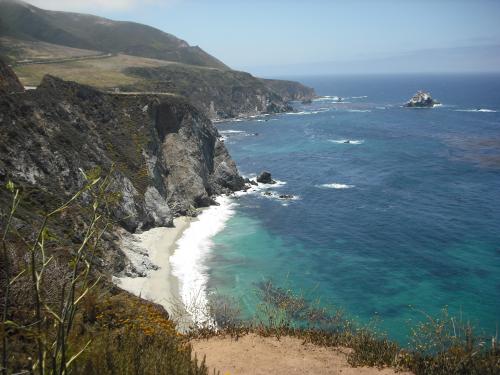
pixel 104 73
pixel 21 51
pixel 219 93
pixel 82 31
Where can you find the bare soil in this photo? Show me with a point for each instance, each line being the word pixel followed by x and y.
pixel 253 354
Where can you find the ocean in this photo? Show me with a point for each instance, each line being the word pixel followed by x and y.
pixel 402 220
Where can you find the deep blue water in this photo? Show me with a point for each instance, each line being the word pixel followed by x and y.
pixel 406 217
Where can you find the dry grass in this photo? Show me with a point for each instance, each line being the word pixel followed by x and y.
pixel 57 318
pixel 440 345
pixel 17 49
pixel 98 72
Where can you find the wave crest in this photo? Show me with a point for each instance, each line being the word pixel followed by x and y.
pixel 336 186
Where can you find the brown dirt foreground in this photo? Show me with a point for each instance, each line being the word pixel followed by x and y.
pixel 253 354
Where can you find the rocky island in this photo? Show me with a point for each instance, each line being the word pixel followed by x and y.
pixel 421 99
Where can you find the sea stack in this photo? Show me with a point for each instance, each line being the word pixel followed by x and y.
pixel 265 178
pixel 421 99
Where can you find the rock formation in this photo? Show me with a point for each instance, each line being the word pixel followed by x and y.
pixel 221 94
pixel 265 178
pixel 8 79
pixel 421 100
pixel 167 154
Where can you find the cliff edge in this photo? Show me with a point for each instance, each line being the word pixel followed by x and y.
pixel 167 156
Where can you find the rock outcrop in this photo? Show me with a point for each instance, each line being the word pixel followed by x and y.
pixel 291 90
pixel 8 79
pixel 221 94
pixel 421 100
pixel 167 154
pixel 265 178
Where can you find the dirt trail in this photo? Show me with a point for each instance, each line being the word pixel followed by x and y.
pixel 253 354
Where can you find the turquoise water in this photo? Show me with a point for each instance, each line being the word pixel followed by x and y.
pixel 406 217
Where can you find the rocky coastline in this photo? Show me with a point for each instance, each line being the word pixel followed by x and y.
pixel 168 157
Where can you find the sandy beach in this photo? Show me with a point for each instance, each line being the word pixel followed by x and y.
pixel 153 249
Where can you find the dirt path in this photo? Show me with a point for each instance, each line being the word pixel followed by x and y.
pixel 253 354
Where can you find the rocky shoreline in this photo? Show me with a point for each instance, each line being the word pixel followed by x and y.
pixel 168 157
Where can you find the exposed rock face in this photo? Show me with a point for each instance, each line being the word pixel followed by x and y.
pixel 167 154
pixel 290 90
pixel 221 94
pixel 265 178
pixel 8 79
pixel 422 100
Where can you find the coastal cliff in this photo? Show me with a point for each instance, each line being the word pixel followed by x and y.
pixel 167 156
pixel 221 94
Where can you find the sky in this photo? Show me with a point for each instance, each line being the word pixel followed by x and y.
pixel 347 36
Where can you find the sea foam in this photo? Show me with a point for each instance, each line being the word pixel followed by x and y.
pixel 336 186
pixel 189 259
pixel 347 141
pixel 483 110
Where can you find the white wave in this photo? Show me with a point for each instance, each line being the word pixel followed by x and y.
pixel 305 113
pixel 260 188
pixel 280 197
pixel 357 97
pixel 230 131
pixel 327 98
pixel 484 110
pixel 359 110
pixel 347 141
pixel 336 186
pixel 193 248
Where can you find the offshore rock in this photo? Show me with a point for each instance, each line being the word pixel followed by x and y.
pixel 265 178
pixel 421 100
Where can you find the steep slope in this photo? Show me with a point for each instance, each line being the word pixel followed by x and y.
pixel 134 58
pixel 221 94
pixel 167 154
pixel 8 79
pixel 290 90
pixel 24 21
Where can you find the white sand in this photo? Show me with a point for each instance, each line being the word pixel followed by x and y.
pixel 154 248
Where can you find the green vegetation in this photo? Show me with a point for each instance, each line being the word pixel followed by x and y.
pixel 105 73
pixel 26 22
pixel 438 345
pixel 61 315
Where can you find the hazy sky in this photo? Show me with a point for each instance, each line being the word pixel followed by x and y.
pixel 261 35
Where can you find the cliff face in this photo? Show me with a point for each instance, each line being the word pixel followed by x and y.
pixel 290 90
pixel 221 93
pixel 167 154
pixel 8 79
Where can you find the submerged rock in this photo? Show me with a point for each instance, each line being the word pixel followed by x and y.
pixel 265 178
pixel 421 99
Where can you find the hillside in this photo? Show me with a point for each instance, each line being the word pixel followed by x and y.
pixel 168 155
pixel 129 57
pixel 26 22
pixel 221 94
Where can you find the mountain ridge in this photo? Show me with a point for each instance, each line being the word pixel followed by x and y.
pixel 25 21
